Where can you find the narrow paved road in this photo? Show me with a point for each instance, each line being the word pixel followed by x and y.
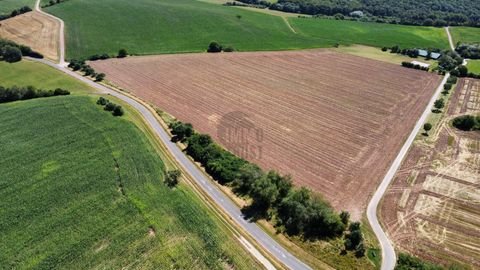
pixel 388 251
pixel 222 201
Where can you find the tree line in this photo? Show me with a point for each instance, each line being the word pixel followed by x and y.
pixel 470 51
pixel 15 12
pixel 408 12
pixel 12 52
pixel 80 65
pixel 296 211
pixel 10 94
pixel 109 106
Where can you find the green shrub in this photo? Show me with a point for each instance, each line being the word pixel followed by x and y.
pixel 467 122
pixel 118 111
pixel 110 107
pixel 214 47
pixel 171 179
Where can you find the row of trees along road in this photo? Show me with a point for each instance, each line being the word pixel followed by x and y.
pixel 295 211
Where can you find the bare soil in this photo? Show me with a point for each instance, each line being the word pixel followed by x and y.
pixel 335 122
pixel 35 30
pixel 440 220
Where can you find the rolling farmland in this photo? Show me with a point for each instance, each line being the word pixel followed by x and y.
pixel 176 26
pixel 432 208
pixel 331 120
pixel 35 30
pixel 27 73
pixel 65 163
pixel 371 34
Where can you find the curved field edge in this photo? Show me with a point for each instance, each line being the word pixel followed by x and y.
pixel 157 27
pixel 82 189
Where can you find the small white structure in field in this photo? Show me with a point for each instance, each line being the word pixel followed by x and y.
pixel 424 65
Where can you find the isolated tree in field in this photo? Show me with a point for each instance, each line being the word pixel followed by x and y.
pixel 427 127
pixel 117 111
pixel 171 179
pixel 122 53
pixel 439 104
pixel 214 47
pixel 100 77
pixel 12 54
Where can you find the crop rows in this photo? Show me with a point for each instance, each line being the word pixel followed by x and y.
pixel 332 121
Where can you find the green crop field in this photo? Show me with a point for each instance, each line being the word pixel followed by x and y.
pixel 167 26
pixel 27 73
pixel 81 189
pixel 465 34
pixel 7 6
pixel 372 34
pixel 474 66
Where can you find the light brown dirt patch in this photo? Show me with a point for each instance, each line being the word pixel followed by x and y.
pixel 35 30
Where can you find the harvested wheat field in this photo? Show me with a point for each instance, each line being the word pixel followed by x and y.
pixel 432 208
pixel 333 121
pixel 33 29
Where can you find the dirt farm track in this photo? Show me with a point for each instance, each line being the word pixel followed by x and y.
pixel 432 208
pixel 334 122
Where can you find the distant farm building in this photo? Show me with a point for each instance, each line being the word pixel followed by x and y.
pixel 433 55
pixel 357 13
pixel 424 65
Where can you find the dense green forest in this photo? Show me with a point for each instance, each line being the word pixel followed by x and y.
pixel 428 12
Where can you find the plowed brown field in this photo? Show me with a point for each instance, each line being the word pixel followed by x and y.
pixel 333 121
pixel 432 208
pixel 33 29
